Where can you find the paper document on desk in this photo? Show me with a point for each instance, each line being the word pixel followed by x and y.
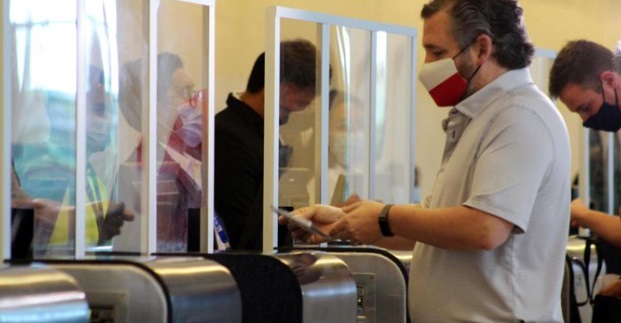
pixel 190 165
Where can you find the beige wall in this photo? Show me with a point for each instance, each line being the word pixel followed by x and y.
pixel 240 37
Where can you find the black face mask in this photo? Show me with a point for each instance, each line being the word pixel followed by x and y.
pixel 608 118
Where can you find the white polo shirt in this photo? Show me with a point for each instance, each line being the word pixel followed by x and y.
pixel 507 153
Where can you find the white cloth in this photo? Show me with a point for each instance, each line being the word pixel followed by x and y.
pixel 507 153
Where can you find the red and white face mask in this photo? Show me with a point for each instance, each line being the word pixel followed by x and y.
pixel 443 81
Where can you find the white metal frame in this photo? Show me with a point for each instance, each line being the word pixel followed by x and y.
pixel 272 92
pixel 80 119
pixel 5 223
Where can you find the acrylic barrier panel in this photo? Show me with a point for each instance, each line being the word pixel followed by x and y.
pixel 350 111
pixel 393 172
pixel 104 211
pixel 43 74
pixel 44 148
pixel 131 79
pixel 349 120
pixel 391 175
pixel 181 103
pixel 299 100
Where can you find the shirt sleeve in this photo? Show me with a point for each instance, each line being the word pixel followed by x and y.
pixel 514 157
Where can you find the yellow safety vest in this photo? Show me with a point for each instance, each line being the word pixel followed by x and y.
pixel 96 192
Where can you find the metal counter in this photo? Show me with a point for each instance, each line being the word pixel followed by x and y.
pixel 404 256
pixel 381 282
pixel 40 294
pixel 328 286
pixel 175 289
pixel 295 287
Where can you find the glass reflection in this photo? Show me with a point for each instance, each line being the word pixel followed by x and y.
pixel 297 133
pixel 44 147
pixel 394 180
pixel 346 144
pixel 350 170
pixel 350 114
pixel 390 163
pixel 130 77
pixel 305 268
pixel 178 150
pixel 179 107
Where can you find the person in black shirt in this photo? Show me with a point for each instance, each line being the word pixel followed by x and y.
pixel 238 178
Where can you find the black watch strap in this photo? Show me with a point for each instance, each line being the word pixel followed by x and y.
pixel 383 221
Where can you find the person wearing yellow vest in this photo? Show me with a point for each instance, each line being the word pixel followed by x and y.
pixel 54 221
pixel 47 172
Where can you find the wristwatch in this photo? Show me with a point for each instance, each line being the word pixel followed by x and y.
pixel 383 221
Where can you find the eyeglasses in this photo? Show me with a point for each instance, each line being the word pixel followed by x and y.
pixel 195 97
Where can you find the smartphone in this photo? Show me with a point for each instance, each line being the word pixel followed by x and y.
pixel 303 223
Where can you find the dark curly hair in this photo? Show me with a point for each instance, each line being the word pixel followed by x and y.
pixel 501 20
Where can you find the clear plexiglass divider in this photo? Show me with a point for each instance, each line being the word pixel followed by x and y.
pixel 83 136
pixel 370 69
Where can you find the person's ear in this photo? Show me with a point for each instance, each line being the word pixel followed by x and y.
pixel 483 45
pixel 607 77
pixel 610 78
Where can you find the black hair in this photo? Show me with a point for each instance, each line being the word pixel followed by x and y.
pixel 297 66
